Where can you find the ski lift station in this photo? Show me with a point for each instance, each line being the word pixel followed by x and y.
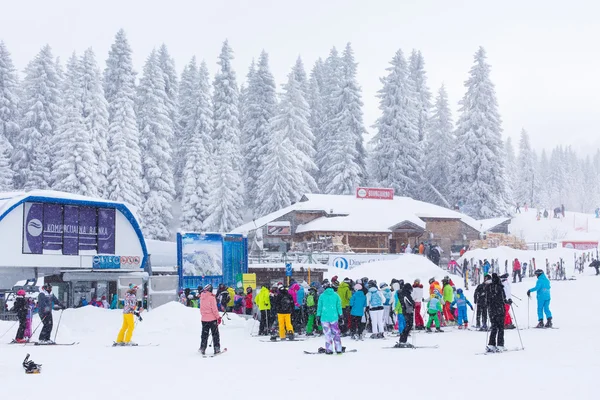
pixel 84 246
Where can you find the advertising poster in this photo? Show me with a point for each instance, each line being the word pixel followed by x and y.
pixel 87 229
pixel 70 230
pixel 106 231
pixel 53 227
pixel 202 255
pixel 32 228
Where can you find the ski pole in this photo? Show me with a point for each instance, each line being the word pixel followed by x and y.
pixel 516 297
pixel 38 325
pixel 473 317
pixel 12 326
pixel 58 325
pixel 527 312
pixel 517 325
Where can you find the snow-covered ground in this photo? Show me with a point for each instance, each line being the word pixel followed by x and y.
pixel 556 364
pixel 574 226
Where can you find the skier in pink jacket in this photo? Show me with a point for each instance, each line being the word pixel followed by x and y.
pixel 210 318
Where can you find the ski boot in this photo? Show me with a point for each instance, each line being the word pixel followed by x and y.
pixel 548 323
pixel 273 338
pixel 466 325
pixel 321 350
pixel 202 351
pixel 509 326
pixel 478 326
pixel 500 349
pixel 20 341
pixel 428 330
pixel 217 350
pixel 460 327
pixel 438 330
pixel 484 328
pixel 353 337
pixel 310 334
pixel 373 336
pixel 290 335
pixel 490 349
pixel 380 336
pixel 540 324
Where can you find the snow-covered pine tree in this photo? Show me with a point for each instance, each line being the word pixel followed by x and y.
pixel 525 171
pixel 439 144
pixel 301 78
pixel 6 172
pixel 197 168
pixel 418 78
pixel 396 149
pixel 317 108
pixel 156 135
pixel 227 189
pixel 260 107
pixel 186 110
pixel 345 169
pixel 479 176
pixel 125 174
pixel 331 83
pixel 9 98
pixel 40 119
pixel 511 168
pixel 95 116
pixel 75 169
pixel 543 174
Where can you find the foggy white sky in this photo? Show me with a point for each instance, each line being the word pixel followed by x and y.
pixel 544 54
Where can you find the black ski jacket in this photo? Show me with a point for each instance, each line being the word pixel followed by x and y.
pixel 408 304
pixel 284 302
pixel 479 296
pixel 496 298
pixel 20 307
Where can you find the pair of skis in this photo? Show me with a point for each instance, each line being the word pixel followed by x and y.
pixel 485 353
pixel 43 344
pixel 214 355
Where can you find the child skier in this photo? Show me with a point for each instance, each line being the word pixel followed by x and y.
pixel 358 302
pixel 248 301
pixel 461 303
pixel 434 307
pixel 238 302
pixel 542 287
pixel 129 310
pixel 21 308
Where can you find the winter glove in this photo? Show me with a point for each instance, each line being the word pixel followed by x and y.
pixel 529 293
pixel 509 301
pixel 219 320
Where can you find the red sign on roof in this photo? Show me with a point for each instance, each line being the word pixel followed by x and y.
pixel 374 193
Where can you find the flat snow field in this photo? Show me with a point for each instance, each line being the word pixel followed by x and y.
pixel 556 363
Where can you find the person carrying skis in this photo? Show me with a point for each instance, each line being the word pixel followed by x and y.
pixel 211 319
pixel 46 302
pixel 358 302
pixel 461 302
pixel 508 294
pixel 21 307
pixel 312 300
pixel 285 307
pixel 329 311
pixel 434 308
pixel 418 297
pixel 516 271
pixel 263 302
pixel 375 302
pixel 495 300
pixel 542 287
pixel 480 301
pixel 408 310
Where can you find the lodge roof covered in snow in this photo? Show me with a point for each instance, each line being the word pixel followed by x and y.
pixel 347 213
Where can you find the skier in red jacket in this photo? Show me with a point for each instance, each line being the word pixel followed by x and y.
pixel 248 301
pixel 516 271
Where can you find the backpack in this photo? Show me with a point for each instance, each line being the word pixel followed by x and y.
pixel 310 300
pixel 287 303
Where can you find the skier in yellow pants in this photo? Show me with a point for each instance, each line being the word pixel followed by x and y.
pixel 285 306
pixel 129 310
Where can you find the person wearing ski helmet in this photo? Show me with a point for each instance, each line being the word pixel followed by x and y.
pixel 285 307
pixel 496 298
pixel 329 312
pixel 210 318
pixel 418 297
pixel 461 302
pixel 434 309
pixel 248 301
pixel 542 287
pixel 21 308
pixel 263 302
pixel 358 302
pixel 129 310
pixel 46 302
pixel 481 303
pixel 408 310
pixel 375 302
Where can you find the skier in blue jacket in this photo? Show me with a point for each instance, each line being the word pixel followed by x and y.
pixel 358 302
pixel 542 287
pixel 461 302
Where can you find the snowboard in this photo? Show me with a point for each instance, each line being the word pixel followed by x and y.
pixel 316 352
pixel 214 355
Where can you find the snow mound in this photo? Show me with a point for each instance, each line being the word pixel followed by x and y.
pixel 408 267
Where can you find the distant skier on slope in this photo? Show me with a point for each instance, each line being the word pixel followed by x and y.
pixel 542 287
pixel 329 312
pixel 129 310
pixel 210 318
pixel 496 299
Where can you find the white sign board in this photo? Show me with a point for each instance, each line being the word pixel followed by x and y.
pixel 349 261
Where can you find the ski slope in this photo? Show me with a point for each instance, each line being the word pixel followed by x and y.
pixel 574 226
pixel 555 364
